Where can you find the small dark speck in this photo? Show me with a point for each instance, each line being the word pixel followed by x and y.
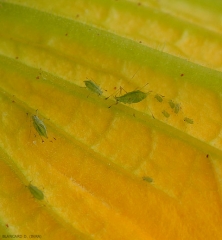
pixel 181 74
pixel 77 15
pixel 37 77
pixel 66 34
pixel 139 4
pixel 16 57
pixel 207 155
pixel 140 41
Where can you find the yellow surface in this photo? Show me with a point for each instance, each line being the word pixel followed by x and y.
pixel 92 165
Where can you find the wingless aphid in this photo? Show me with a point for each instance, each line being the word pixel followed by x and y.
pixel 159 97
pixel 165 113
pixel 38 194
pixel 172 104
pixel 132 97
pixel 148 179
pixel 177 108
pixel 93 87
pixel 188 120
pixel 39 126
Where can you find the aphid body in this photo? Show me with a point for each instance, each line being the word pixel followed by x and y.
pixel 188 120
pixel 37 193
pixel 177 108
pixel 148 179
pixel 93 87
pixel 132 97
pixel 39 126
pixel 159 98
pixel 165 113
pixel 172 104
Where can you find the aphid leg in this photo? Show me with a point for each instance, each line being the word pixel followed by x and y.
pixel 42 139
pixel 113 104
pixel 113 94
pixel 151 113
pixel 120 90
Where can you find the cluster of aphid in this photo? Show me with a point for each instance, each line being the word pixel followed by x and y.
pixel 135 97
pixel 128 98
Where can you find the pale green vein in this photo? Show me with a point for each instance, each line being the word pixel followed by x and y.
pixel 111 44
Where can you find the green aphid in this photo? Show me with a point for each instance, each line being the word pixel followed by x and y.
pixel 39 126
pixel 132 97
pixel 38 194
pixel 165 113
pixel 148 179
pixel 159 97
pixel 177 108
pixel 188 120
pixel 93 87
pixel 172 104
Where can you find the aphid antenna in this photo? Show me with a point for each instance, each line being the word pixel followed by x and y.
pixel 29 126
pixel 135 73
pixel 86 87
pixel 151 113
pixel 144 87
pixel 38 116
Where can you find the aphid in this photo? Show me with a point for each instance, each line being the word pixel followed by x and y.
pixel 148 179
pixel 165 113
pixel 37 193
pixel 177 108
pixel 159 97
pixel 172 104
pixel 188 120
pixel 93 87
pixel 39 126
pixel 132 97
